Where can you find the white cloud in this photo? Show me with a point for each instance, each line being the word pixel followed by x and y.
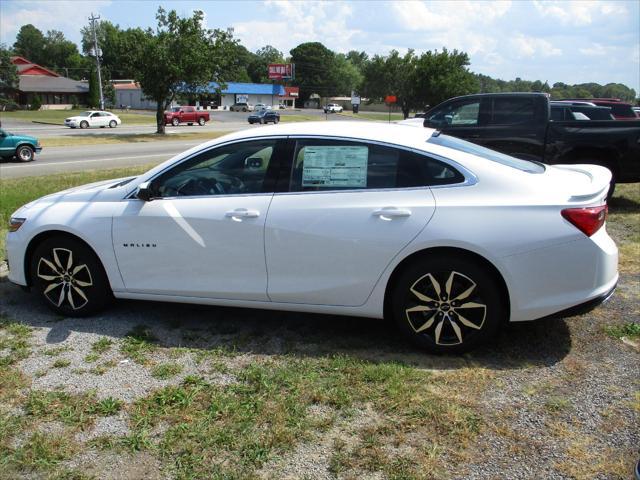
pixel 298 22
pixel 446 16
pixel 578 13
pixel 65 15
pixel 529 47
pixel 595 49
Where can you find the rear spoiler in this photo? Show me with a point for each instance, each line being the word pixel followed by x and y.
pixel 599 185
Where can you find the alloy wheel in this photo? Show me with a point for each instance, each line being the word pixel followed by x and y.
pixel 446 307
pixel 65 281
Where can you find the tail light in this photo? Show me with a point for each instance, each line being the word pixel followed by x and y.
pixel 587 220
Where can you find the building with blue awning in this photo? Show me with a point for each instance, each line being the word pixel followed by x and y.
pixel 251 93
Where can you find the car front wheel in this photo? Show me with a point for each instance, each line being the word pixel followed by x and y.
pixel 447 304
pixel 175 122
pixel 112 124
pixel 201 121
pixel 84 124
pixel 24 153
pixel 69 277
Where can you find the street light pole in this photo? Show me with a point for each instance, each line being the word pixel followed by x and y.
pixel 93 19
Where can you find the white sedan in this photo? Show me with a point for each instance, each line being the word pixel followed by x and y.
pixel 448 239
pixel 93 118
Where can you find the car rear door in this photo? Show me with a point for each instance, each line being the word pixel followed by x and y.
pixel 343 218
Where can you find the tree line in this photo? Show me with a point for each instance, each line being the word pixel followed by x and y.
pixel 180 55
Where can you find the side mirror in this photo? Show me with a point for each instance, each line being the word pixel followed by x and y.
pixel 144 192
pixel 253 162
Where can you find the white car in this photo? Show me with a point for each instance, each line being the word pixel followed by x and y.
pixel 93 118
pixel 447 238
pixel 332 108
pixel 261 106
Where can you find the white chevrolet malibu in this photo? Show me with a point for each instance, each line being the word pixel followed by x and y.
pixel 448 239
pixel 93 118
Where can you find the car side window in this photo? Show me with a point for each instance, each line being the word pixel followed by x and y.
pixel 333 165
pixel 239 168
pixel 512 111
pixel 463 114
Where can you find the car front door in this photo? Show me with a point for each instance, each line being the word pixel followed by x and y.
pixel 203 233
pixel 351 207
pixel 96 120
pixel 7 145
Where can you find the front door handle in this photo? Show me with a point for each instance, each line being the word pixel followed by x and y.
pixel 242 213
pixel 391 212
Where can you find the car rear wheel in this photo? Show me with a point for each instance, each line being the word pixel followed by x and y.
pixel 201 121
pixel 113 124
pixel 447 304
pixel 262 121
pixel 276 120
pixel 84 124
pixel 175 122
pixel 69 277
pixel 24 153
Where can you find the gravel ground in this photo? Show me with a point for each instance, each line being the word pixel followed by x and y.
pixel 563 401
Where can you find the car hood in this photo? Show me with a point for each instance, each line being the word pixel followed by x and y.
pixel 105 190
pixel 24 138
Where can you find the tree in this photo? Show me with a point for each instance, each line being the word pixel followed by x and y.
pixel 442 75
pixel 8 72
pixel 178 56
pixel 347 76
pixel 314 69
pixel 30 44
pixel 393 75
pixel 93 99
pixel 260 61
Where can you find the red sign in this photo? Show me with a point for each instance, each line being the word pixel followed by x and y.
pixel 278 71
pixel 390 99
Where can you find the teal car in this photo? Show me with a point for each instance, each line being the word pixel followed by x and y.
pixel 23 147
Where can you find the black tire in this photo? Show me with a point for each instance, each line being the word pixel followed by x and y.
pixel 113 124
pixel 276 120
pixel 84 124
pixel 25 153
pixel 201 121
pixel 69 278
pixel 437 324
pixel 262 121
pixel 175 122
pixel 244 109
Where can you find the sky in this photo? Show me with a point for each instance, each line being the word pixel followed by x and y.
pixel 554 41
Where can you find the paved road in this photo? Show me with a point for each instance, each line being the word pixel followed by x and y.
pixel 98 157
pixel 222 121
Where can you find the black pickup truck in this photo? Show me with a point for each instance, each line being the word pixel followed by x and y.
pixel 519 124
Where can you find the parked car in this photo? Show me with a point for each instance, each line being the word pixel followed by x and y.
pixel 332 108
pixel 93 118
pixel 282 106
pixel 636 110
pixel 241 107
pixel 518 124
pixel 447 238
pixel 264 116
pixel 186 114
pixel 619 109
pixel 261 106
pixel 22 147
pixel 561 111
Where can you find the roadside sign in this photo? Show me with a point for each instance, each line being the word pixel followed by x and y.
pixel 279 71
pixel 355 98
pixel 390 99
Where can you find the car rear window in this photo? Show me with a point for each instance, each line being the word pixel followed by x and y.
pixel 472 148
pixel 622 111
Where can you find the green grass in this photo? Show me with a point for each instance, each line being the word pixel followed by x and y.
pixel 137 344
pixel 110 139
pixel 376 116
pixel 14 340
pixel 58 116
pixel 61 363
pixel 102 345
pixel 166 370
pixel 629 329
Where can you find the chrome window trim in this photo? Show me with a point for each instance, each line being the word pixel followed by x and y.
pixel 469 177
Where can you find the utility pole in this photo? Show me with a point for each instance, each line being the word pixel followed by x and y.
pixel 93 19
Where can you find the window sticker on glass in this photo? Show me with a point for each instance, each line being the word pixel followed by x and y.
pixel 333 166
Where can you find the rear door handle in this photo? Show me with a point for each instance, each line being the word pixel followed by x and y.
pixel 242 213
pixel 390 212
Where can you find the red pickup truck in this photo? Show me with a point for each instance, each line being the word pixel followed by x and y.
pixel 189 115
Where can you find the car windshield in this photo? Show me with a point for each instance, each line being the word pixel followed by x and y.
pixel 84 114
pixel 467 147
pixel 175 109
